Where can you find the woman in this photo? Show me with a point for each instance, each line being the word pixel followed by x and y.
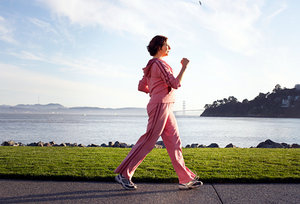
pixel 159 82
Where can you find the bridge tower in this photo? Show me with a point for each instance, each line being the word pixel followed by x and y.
pixel 183 107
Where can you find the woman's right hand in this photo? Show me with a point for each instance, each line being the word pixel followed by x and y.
pixel 184 62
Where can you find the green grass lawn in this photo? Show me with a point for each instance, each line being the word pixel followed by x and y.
pixel 211 164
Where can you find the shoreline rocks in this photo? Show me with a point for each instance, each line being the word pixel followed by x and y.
pixel 270 144
pixel 230 146
pixel 159 145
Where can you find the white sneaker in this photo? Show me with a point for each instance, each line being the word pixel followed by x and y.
pixel 190 185
pixel 126 183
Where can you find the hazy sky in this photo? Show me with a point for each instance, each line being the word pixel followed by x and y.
pixel 91 52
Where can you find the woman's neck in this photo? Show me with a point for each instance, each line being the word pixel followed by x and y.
pixel 158 56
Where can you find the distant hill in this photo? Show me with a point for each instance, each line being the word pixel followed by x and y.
pixel 54 108
pixel 281 102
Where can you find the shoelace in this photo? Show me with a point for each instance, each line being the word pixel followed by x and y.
pixel 128 181
pixel 196 178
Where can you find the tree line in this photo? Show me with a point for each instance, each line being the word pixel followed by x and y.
pixel 281 102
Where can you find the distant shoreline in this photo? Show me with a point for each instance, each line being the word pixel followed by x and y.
pixel 159 145
pixel 53 108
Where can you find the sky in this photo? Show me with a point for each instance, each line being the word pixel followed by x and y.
pixel 91 52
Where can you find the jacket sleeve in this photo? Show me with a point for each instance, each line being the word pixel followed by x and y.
pixel 143 85
pixel 167 76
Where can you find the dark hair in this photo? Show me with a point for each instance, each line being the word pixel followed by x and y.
pixel 155 44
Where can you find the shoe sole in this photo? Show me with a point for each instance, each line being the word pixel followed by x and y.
pixel 190 188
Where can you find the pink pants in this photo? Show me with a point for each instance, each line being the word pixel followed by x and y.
pixel 162 123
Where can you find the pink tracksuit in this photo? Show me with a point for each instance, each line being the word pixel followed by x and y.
pixel 158 80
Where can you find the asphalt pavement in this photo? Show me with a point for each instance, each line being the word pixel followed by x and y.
pixel 33 191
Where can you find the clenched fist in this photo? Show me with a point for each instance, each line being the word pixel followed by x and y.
pixel 184 62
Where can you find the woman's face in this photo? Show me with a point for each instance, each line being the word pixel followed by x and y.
pixel 165 49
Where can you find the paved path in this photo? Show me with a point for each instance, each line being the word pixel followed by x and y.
pixel 27 191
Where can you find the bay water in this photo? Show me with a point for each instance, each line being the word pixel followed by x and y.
pixel 98 129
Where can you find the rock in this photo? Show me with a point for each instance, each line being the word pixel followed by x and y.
pixel 74 145
pixel 158 146
pixel 295 146
pixel 47 144
pixel 40 144
pixel 202 146
pixel 33 144
pixel 188 146
pixel 81 145
pixel 8 143
pixel 117 144
pixel 52 143
pixel 110 144
pixel 103 145
pixel 131 145
pixel 93 145
pixel 285 145
pixel 63 145
pixel 123 145
pixel 269 144
pixel 230 146
pixel 161 143
pixel 194 145
pixel 213 145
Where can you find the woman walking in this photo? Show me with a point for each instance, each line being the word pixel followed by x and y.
pixel 159 82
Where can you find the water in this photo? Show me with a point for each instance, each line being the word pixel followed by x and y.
pixel 98 129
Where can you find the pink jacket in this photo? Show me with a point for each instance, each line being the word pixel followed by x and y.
pixel 159 81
